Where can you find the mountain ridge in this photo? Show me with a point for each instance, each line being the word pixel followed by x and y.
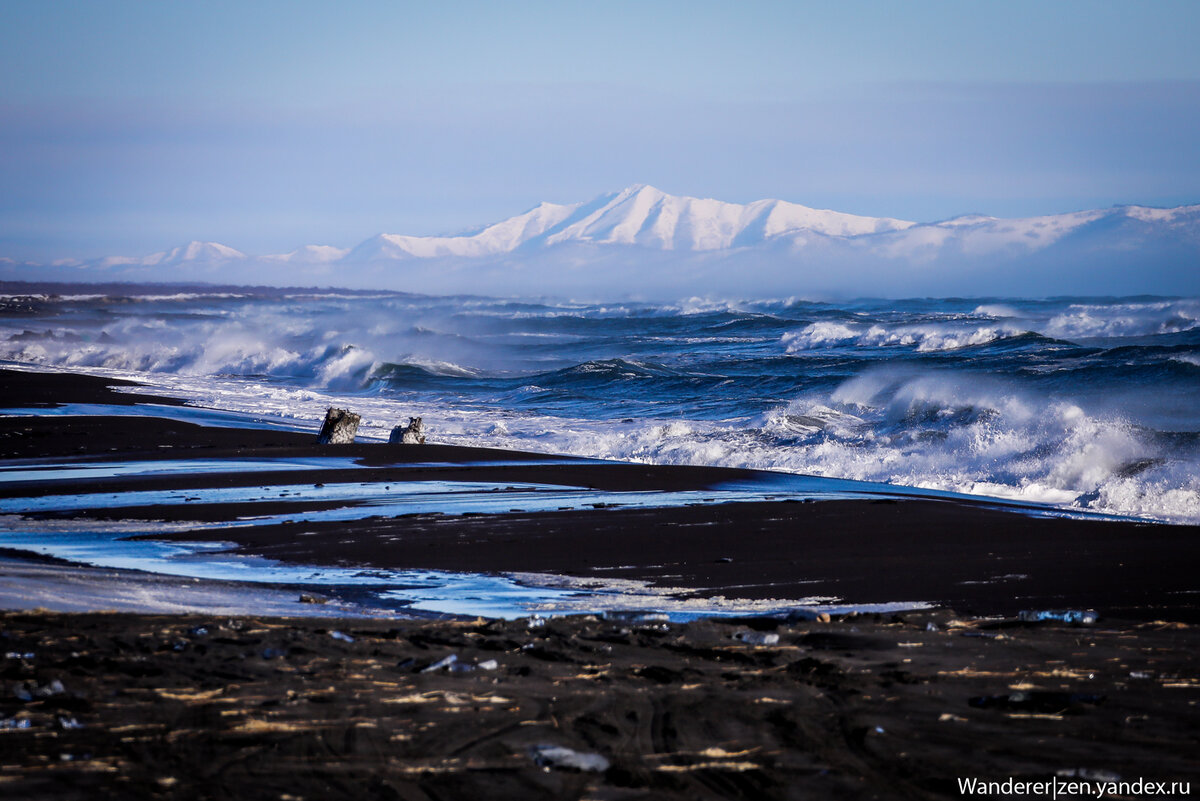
pixel 642 237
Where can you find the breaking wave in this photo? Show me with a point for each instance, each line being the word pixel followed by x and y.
pixel 1083 404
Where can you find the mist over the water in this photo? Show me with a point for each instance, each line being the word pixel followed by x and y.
pixel 1083 403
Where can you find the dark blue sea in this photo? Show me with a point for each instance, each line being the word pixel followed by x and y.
pixel 1076 402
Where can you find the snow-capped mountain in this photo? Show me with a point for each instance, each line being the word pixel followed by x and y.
pixel 501 237
pixel 194 252
pixel 982 236
pixel 644 217
pixel 639 215
pixel 644 241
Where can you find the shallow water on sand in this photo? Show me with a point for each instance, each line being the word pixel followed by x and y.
pixel 430 591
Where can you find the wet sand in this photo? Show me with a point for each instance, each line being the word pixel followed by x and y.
pixel 266 706
pixel 35 582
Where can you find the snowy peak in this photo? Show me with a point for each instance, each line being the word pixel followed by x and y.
pixel 639 215
pixel 644 218
pixel 194 252
pixel 643 215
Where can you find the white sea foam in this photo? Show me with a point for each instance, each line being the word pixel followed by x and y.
pixel 819 334
pixel 1124 319
pixel 995 310
pixel 925 338
pixel 1075 322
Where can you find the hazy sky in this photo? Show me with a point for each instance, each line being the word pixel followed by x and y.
pixel 130 127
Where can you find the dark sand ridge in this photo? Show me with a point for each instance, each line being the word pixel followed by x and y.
pixel 971 556
pixel 246 707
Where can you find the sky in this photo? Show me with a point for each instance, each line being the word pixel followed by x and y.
pixel 132 127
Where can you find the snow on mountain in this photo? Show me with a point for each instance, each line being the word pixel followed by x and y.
pixel 643 241
pixel 310 254
pixel 643 215
pixel 193 252
pixel 978 235
pixel 639 215
pixel 501 237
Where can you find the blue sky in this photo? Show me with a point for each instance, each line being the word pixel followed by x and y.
pixel 129 127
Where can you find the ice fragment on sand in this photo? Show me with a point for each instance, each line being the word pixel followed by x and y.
pixel 445 662
pixel 337 635
pixel 635 616
pixel 1077 616
pixel 339 428
pixel 489 664
pixel 562 758
pixel 757 637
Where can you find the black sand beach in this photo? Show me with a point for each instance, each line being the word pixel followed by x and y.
pixel 863 706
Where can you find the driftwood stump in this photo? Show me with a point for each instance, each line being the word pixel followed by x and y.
pixel 411 434
pixel 340 427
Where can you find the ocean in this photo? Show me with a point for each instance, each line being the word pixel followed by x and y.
pixel 1079 403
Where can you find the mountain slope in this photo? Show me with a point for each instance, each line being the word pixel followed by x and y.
pixel 643 215
pixel 502 237
pixel 639 215
pixel 194 252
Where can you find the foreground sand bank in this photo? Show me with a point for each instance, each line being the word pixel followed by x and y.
pixel 143 706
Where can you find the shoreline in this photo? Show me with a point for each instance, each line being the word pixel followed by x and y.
pixel 671 529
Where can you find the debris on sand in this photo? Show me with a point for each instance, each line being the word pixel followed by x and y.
pixel 562 758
